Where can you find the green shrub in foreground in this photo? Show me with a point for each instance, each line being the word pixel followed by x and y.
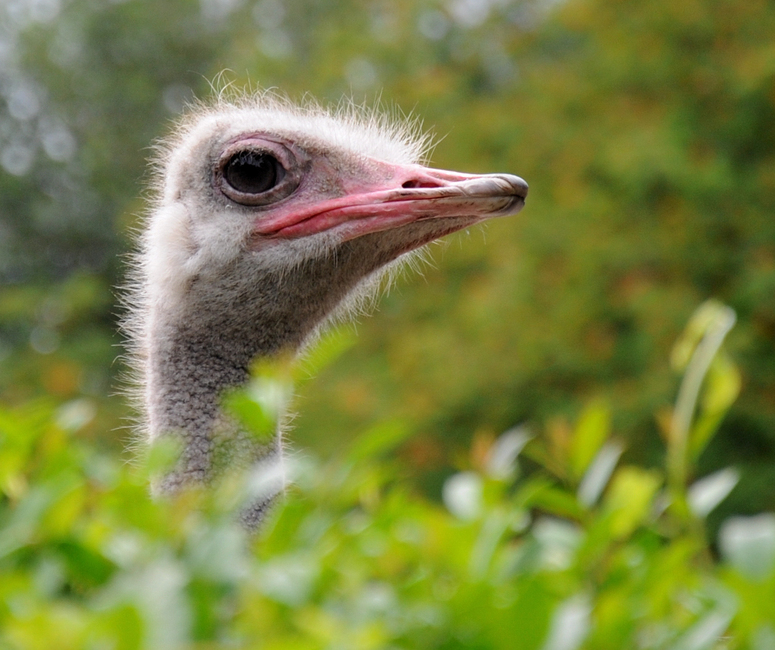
pixel 586 553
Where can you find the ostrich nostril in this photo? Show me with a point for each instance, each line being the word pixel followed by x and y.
pixel 414 184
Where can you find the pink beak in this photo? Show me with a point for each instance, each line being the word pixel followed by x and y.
pixel 412 193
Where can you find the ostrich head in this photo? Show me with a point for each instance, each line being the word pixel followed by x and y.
pixel 267 218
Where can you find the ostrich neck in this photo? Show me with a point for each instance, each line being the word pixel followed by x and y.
pixel 189 367
pixel 196 355
pixel 229 319
pixel 233 316
pixel 188 372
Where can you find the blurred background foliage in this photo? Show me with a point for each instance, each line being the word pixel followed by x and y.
pixel 586 552
pixel 646 131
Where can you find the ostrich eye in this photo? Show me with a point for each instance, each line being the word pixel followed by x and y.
pixel 258 171
pixel 253 172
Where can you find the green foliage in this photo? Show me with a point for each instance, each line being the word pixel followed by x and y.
pixel 585 553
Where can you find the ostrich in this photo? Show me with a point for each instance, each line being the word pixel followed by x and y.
pixel 267 219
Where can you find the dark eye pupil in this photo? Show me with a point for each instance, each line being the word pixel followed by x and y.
pixel 252 172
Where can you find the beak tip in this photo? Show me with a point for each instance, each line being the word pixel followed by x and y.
pixel 516 193
pixel 520 186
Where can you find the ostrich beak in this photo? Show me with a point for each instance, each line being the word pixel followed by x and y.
pixel 413 193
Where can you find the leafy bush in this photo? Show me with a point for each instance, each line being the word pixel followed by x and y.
pixel 586 552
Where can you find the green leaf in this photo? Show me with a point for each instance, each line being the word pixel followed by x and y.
pixel 76 414
pixel 555 501
pixel 570 624
pixel 630 498
pixel 705 494
pixel 706 318
pixel 502 458
pixel 463 495
pixel 722 387
pixel 599 473
pixel 380 439
pixel 592 430
pixel 748 544
pixel 253 415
